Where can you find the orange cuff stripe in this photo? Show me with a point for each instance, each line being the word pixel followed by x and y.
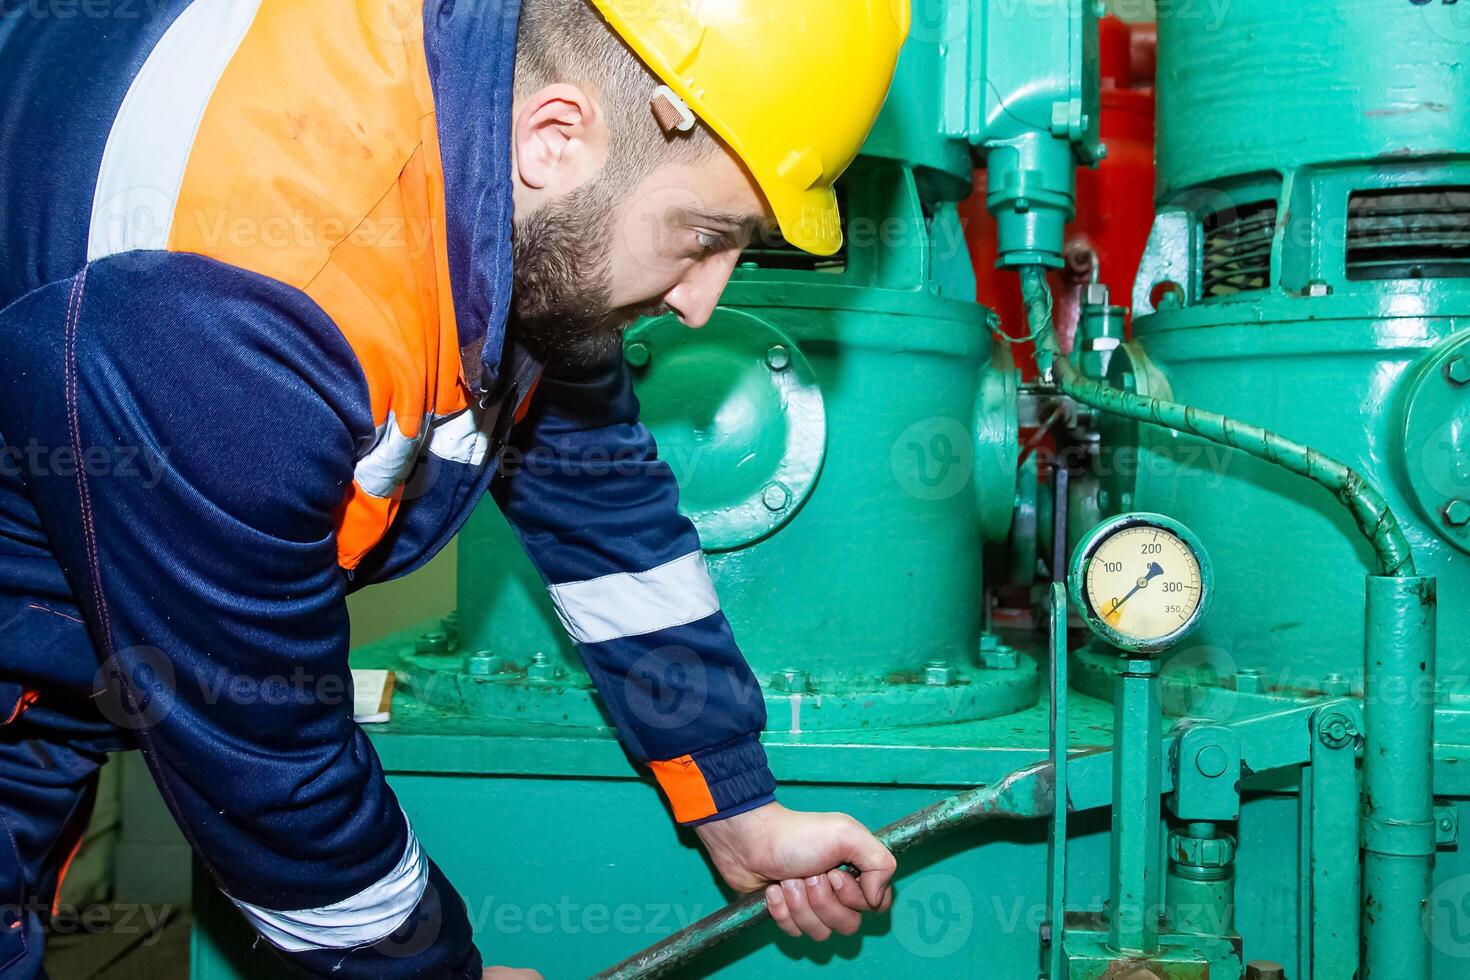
pixel 685 787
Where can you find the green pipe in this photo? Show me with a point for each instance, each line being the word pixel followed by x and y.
pixel 1135 838
pixel 1398 791
pixel 1026 793
pixel 1368 507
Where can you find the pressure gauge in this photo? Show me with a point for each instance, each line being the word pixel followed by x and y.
pixel 1142 581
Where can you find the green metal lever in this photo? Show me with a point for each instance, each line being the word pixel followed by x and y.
pixel 1024 794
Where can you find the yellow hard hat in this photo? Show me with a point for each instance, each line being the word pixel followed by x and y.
pixel 792 86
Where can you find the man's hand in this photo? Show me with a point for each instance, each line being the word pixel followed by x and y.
pixel 794 855
pixel 508 973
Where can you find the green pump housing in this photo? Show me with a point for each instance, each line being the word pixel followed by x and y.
pixel 1277 796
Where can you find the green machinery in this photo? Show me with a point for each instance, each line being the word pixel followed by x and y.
pixel 1278 794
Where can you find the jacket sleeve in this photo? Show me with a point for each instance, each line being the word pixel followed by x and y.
pixel 597 511
pixel 213 418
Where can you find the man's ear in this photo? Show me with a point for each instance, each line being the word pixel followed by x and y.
pixel 560 139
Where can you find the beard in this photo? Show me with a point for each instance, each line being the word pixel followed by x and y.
pixel 562 282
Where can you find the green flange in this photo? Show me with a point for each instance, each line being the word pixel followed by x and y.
pixel 740 418
pixel 1436 450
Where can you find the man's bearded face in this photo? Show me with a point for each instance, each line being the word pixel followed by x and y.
pixel 560 301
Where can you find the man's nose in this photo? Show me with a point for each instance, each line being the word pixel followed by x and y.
pixel 695 297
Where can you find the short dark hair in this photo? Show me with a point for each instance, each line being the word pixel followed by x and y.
pixel 569 41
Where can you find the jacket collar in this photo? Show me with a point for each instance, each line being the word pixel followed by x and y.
pixel 470 46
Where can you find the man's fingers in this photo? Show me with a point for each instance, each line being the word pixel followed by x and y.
pixel 794 891
pixel 780 911
pixel 845 887
pixel 829 908
pixel 875 863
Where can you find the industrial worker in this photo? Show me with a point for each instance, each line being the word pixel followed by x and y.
pixel 279 281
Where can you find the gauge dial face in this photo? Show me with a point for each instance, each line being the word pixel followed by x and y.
pixel 1145 583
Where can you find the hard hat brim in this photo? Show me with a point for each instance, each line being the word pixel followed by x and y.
pixel 809 219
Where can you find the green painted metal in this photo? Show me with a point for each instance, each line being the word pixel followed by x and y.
pixel 1056 892
pixel 1330 933
pixel 1311 343
pixel 1137 896
pixel 1398 791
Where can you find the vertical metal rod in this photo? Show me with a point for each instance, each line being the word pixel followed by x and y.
pixel 1398 791
pixel 1330 791
pixel 1057 855
pixel 1137 845
pixel 1304 874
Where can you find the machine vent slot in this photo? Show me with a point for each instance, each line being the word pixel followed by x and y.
pixel 1409 233
pixel 1237 254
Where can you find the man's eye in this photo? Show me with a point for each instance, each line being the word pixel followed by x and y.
pixel 709 242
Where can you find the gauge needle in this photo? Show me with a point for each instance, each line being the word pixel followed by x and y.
pixel 1154 571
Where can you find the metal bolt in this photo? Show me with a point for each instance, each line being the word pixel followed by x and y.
pixel 776 497
pixel 778 358
pixel 1457 371
pixel 638 354
pixel 482 664
pixel 434 643
pixel 790 681
pixel 1456 513
pixel 1317 288
pixel 1336 684
pixel 542 669
pixel 999 657
pixel 1212 761
pixel 1264 970
pixel 1251 680
pixel 938 673
pixel 1336 731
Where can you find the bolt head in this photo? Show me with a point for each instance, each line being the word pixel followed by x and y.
pixel 542 669
pixel 1212 761
pixel 1264 970
pixel 433 643
pixel 999 657
pixel 1251 680
pixel 483 664
pixel 778 358
pixel 939 673
pixel 638 354
pixel 1457 371
pixel 776 497
pixel 1456 513
pixel 1317 288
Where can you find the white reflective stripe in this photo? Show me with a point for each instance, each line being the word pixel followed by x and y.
pixel 363 919
pixel 634 603
pixel 463 437
pixel 153 133
pixel 384 467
